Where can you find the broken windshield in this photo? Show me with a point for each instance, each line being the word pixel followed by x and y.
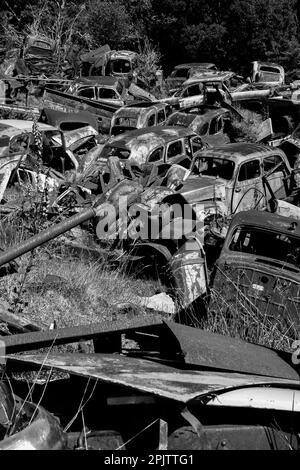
pixel 217 167
pixel 115 152
pixel 126 121
pixel 267 244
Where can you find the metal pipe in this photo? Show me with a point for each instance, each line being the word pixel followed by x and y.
pixel 46 235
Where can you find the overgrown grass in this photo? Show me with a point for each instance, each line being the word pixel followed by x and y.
pixel 248 129
pixel 232 313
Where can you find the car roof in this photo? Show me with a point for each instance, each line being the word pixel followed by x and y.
pixel 197 118
pixel 206 112
pixel 14 126
pixel 142 108
pixel 161 134
pixel 271 64
pixel 209 76
pixel 267 220
pixel 145 105
pixel 92 81
pixel 194 64
pixel 238 151
pixel 124 54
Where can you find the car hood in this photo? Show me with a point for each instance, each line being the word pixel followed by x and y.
pixel 202 188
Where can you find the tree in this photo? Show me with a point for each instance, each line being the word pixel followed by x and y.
pixel 110 23
pixel 265 28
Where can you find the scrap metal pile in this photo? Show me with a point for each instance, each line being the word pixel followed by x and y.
pixel 163 180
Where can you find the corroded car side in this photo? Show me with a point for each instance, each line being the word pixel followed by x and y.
pixel 138 116
pixel 210 122
pixel 158 144
pixel 259 268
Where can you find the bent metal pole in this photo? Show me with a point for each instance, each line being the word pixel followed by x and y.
pixel 46 235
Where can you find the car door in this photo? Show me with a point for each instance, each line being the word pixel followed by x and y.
pixel 275 169
pixel 161 117
pixel 109 95
pixel 87 92
pixel 192 95
pixel 156 156
pixel 175 150
pixel 248 191
pixel 216 134
pixel 151 120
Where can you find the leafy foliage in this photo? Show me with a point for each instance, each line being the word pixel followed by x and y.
pixel 228 32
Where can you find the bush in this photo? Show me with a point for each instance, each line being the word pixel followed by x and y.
pixel 248 129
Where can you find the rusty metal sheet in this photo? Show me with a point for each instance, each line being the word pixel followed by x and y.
pixel 58 118
pixel 148 376
pixel 206 349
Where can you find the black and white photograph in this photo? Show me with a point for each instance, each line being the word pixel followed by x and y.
pixel 149 228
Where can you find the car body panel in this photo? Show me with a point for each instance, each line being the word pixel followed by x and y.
pixel 183 71
pixel 151 377
pixel 207 121
pixel 138 116
pixel 259 269
pixel 267 73
pixel 237 195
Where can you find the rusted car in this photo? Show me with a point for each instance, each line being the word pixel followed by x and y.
pixel 37 56
pixel 183 71
pixel 204 88
pixel 105 62
pixel 138 116
pixel 260 262
pixel 17 148
pixel 267 73
pixel 107 89
pixel 67 121
pixel 284 110
pixel 225 180
pixel 158 144
pixel 121 63
pixel 210 122
pixel 217 87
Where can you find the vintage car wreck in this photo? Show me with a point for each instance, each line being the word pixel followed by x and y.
pixel 210 122
pixel 157 144
pixel 187 388
pixel 61 154
pixel 109 89
pixel 138 116
pixel 183 71
pixel 284 110
pixel 99 96
pixel 259 268
pixel 222 181
pixel 106 62
pixel 219 87
pixel 267 73
pixel 37 56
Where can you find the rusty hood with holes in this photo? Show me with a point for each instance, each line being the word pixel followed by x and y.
pixel 192 363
